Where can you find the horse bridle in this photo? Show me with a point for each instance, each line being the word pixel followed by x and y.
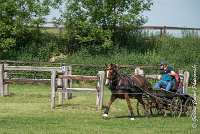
pixel 111 80
pixel 114 72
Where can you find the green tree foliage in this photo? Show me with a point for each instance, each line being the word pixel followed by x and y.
pixel 17 20
pixel 103 22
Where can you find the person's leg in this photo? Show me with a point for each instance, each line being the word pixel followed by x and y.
pixel 169 85
pixel 160 84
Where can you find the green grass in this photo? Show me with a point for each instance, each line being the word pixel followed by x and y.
pixel 27 111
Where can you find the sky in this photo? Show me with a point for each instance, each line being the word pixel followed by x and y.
pixel 177 13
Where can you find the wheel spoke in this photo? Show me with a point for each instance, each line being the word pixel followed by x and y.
pixel 176 107
pixel 188 107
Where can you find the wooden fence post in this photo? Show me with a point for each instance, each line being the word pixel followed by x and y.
pixel 98 94
pixel 139 71
pixel 1 80
pixel 60 94
pixel 101 89
pixel 185 81
pixel 53 86
pixel 6 90
pixel 164 30
pixel 68 82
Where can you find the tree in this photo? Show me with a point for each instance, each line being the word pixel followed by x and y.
pixel 18 18
pixel 103 22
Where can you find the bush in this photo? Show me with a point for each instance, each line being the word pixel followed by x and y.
pixel 179 52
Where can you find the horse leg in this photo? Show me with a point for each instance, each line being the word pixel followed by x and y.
pixel 112 99
pixel 145 106
pixel 129 106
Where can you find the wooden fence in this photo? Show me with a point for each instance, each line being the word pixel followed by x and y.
pixel 4 80
pixel 65 88
pixel 61 82
pixel 163 29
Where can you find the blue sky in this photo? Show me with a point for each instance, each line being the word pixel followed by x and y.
pixel 179 13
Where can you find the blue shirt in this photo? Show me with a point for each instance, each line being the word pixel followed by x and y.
pixel 165 75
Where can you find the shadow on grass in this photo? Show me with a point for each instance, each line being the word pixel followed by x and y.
pixel 10 95
pixel 142 116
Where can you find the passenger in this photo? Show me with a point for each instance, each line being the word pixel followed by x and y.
pixel 179 84
pixel 166 77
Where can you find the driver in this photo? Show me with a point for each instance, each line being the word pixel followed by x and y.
pixel 166 77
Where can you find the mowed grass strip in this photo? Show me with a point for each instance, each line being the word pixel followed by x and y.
pixel 27 111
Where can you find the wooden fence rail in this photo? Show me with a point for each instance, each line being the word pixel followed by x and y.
pixel 31 68
pixel 78 77
pixel 23 80
pixel 82 65
pixel 163 29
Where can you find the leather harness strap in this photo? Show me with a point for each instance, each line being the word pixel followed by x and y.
pixel 134 76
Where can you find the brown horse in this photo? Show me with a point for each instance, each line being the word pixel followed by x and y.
pixel 125 87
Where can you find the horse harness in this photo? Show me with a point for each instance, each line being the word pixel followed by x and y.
pixel 123 87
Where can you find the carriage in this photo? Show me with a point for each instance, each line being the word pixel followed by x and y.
pixel 172 103
pixel 150 100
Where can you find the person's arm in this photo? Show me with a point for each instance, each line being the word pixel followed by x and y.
pixel 158 77
pixel 172 73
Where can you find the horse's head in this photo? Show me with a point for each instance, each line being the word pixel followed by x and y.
pixel 111 71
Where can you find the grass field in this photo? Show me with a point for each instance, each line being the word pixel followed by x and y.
pixel 27 111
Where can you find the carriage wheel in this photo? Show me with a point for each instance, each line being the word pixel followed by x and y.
pixel 188 107
pixel 154 109
pixel 161 110
pixel 176 107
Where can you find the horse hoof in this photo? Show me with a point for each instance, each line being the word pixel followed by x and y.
pixel 132 119
pixel 105 116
